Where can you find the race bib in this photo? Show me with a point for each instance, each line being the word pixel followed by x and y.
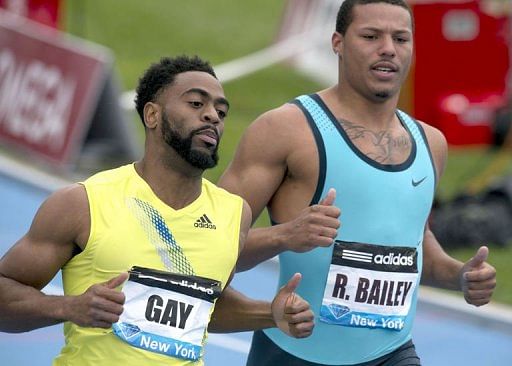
pixel 166 313
pixel 369 286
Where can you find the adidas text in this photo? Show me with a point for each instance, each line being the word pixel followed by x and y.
pixel 206 226
pixel 392 258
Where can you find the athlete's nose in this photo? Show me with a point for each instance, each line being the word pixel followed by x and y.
pixel 387 47
pixel 211 115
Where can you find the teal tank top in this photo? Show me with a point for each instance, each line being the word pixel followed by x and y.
pixel 384 205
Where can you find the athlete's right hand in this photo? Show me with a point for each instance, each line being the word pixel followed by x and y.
pixel 316 226
pixel 292 314
pixel 100 305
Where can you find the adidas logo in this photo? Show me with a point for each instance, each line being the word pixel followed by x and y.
pixel 205 222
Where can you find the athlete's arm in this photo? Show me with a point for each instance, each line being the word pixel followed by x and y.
pixel 476 278
pixel 261 163
pixel 61 223
pixel 235 312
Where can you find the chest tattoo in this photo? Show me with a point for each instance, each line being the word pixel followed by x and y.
pixel 385 147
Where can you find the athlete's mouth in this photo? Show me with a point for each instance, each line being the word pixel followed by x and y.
pixel 386 67
pixel 208 136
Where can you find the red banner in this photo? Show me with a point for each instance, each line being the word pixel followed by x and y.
pixel 43 11
pixel 462 63
pixel 49 87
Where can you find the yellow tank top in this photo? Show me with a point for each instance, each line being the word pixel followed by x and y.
pixel 130 226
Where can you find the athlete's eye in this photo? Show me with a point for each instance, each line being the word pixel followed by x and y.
pixel 196 104
pixel 401 40
pixel 222 114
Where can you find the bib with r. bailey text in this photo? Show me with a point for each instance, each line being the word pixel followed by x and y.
pixel 369 285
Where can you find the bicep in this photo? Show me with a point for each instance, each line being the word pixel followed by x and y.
pixel 32 263
pixel 55 230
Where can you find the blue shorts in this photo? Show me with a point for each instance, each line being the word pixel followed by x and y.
pixel 264 352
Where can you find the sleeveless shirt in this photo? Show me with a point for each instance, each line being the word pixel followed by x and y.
pixel 383 205
pixel 131 226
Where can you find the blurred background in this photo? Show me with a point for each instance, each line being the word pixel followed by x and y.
pixel 68 69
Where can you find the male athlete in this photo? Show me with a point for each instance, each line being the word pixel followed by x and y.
pixel 348 150
pixel 177 235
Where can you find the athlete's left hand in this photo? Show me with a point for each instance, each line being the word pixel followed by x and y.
pixel 291 312
pixel 478 278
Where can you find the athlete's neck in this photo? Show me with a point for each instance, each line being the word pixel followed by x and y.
pixel 171 186
pixel 351 106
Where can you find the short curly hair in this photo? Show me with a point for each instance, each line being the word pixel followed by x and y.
pixel 162 74
pixel 345 13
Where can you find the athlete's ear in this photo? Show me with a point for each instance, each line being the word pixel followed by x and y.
pixel 152 114
pixel 337 43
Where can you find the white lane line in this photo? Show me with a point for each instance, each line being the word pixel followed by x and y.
pixel 492 312
pixel 31 175
pixel 229 342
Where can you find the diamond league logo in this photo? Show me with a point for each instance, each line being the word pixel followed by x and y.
pixel 338 310
pixel 128 330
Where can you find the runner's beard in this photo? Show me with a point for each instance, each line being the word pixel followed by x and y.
pixel 183 146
